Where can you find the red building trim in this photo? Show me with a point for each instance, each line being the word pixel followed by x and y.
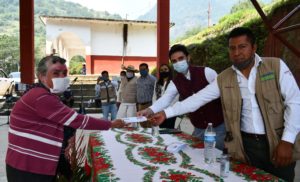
pixel 95 64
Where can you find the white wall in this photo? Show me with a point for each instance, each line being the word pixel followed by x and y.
pixel 54 29
pixel 107 39
pixel 142 41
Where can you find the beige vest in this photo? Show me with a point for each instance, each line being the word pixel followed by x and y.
pixel 128 90
pixel 270 102
pixel 107 93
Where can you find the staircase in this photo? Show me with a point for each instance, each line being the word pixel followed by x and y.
pixel 85 84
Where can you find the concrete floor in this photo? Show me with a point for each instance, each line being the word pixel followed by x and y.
pixel 185 126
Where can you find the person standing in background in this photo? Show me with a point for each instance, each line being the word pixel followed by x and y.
pixel 83 69
pixel 122 75
pixel 165 76
pixel 107 94
pixel 128 93
pixel 145 87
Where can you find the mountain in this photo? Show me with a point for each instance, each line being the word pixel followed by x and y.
pixel 188 14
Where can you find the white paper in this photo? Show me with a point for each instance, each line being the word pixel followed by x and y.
pixel 176 147
pixel 135 119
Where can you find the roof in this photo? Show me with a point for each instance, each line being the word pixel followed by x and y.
pixel 44 19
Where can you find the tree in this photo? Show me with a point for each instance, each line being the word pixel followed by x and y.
pixel 9 53
pixel 76 65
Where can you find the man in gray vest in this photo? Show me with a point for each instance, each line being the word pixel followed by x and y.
pixel 261 103
pixel 106 90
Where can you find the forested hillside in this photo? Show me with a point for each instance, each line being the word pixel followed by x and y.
pixel 9 26
pixel 191 16
pixel 209 46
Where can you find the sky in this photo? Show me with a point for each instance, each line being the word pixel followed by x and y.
pixel 130 8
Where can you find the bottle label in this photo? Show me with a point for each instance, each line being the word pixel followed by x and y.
pixel 210 137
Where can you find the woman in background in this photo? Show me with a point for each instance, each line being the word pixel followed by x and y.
pixel 165 76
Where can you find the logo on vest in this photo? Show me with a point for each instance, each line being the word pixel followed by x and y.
pixel 268 76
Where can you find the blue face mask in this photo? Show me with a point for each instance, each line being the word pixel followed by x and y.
pixel 181 66
pixel 144 73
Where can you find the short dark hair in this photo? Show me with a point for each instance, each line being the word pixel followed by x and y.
pixel 104 72
pixel 178 48
pixel 144 64
pixel 123 72
pixel 239 31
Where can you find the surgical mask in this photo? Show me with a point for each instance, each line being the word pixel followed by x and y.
pixel 144 73
pixel 129 74
pixel 244 64
pixel 181 66
pixel 60 85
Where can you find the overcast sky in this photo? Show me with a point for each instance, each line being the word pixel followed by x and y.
pixel 133 8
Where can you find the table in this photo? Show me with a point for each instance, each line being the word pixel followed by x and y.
pixel 132 155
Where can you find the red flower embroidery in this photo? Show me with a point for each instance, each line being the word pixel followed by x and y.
pixel 157 155
pixel 138 138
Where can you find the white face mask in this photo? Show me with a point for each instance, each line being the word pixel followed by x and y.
pixel 60 85
pixel 129 74
pixel 181 66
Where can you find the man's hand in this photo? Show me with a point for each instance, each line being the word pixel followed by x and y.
pixel 282 155
pixel 158 118
pixel 118 123
pixel 146 112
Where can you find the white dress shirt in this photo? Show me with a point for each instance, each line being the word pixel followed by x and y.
pixel 251 118
pixel 171 92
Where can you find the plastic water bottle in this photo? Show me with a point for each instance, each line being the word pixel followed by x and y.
pixel 209 144
pixel 224 168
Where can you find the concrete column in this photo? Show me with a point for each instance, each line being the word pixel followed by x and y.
pixel 27 41
pixel 163 26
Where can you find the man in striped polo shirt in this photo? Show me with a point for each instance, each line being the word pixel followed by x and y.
pixel 36 128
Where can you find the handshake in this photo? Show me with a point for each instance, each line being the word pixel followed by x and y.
pixel 143 115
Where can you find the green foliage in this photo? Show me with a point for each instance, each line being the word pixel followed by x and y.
pixel 76 65
pixel 209 46
pixel 9 53
pixel 189 33
pixel 244 4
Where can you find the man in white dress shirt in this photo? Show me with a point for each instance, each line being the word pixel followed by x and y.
pixel 261 104
pixel 189 80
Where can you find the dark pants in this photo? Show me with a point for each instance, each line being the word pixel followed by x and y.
pixel 15 175
pixel 257 150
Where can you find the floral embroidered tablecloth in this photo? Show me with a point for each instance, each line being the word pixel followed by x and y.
pixel 131 155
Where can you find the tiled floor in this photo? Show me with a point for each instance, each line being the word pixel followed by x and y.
pixel 185 126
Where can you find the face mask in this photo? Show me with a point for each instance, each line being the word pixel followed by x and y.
pixel 181 66
pixel 164 74
pixel 60 85
pixel 244 64
pixel 144 73
pixel 105 78
pixel 129 74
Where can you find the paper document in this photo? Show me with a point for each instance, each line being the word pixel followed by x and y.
pixel 135 119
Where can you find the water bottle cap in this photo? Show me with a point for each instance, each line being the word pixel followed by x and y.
pixel 210 124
